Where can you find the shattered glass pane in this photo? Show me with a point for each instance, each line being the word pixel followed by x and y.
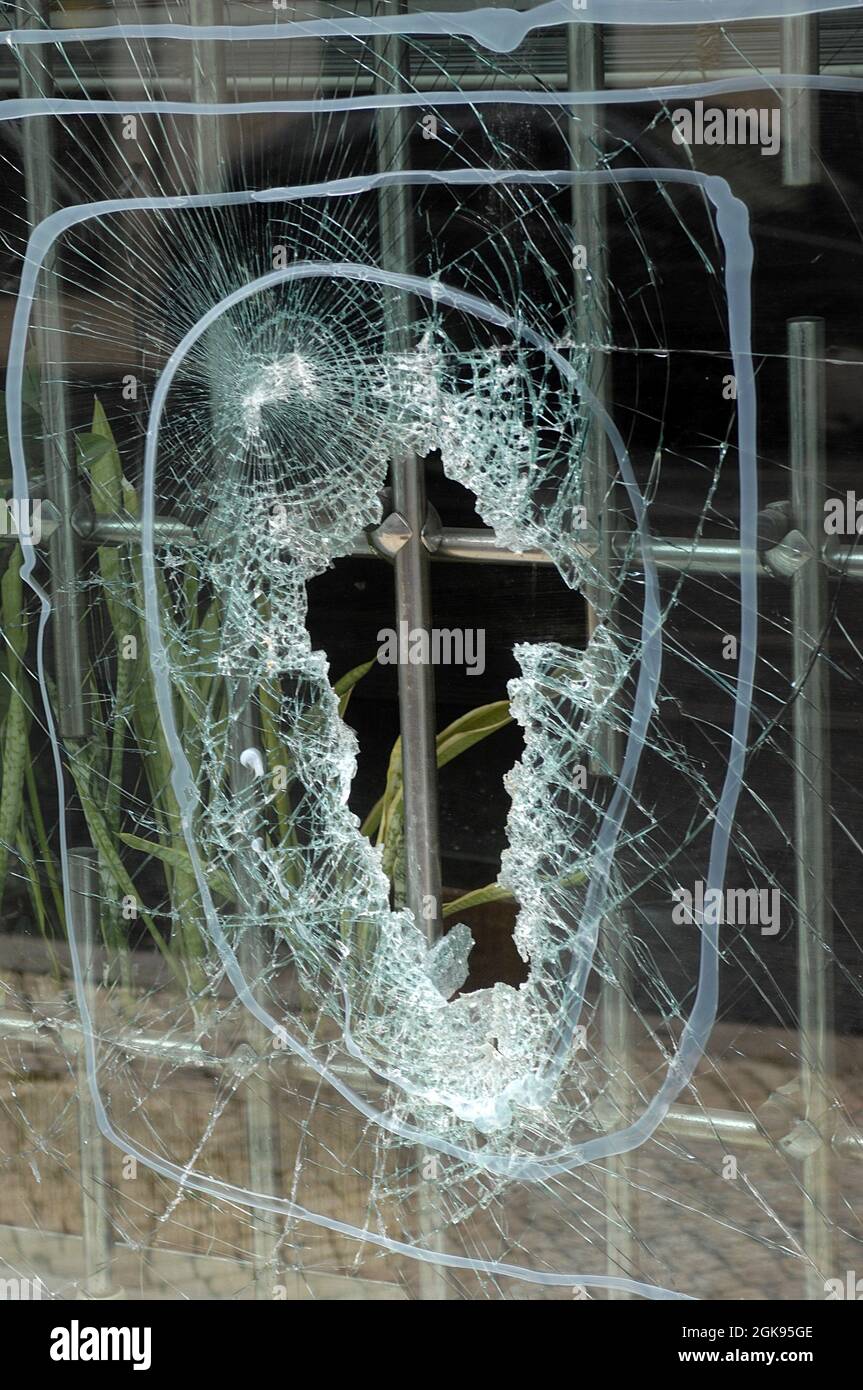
pixel 255 279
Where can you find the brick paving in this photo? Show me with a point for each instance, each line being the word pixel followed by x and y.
pixel 699 1230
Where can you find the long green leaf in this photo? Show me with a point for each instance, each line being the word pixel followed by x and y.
pixel 104 842
pixel 477 724
pixel 99 457
pixel 179 859
pixel 344 687
pixel 25 849
pixel 44 847
pixel 152 745
pixel 491 893
pixel 13 617
pixel 451 742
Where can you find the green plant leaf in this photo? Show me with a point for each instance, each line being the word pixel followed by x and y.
pixel 99 460
pixel 451 742
pixel 179 859
pixel 491 893
pixel 25 849
pixel 103 840
pixel 93 449
pixel 477 724
pixel 345 686
pixel 42 842
pixel 13 617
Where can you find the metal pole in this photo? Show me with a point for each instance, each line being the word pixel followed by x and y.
pixel 811 731
pixel 209 83
pixel 799 134
pixel 258 1092
pixel 416 707
pixel 477 544
pixel 69 631
pixel 586 73
pixel 84 884
pixel 692 1122
pixel 413 606
pixel 68 626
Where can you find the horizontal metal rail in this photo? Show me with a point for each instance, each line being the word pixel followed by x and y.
pixel 479 544
pixel 689 1122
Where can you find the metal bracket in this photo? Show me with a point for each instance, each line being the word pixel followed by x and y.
pixel 790 555
pixel 432 532
pixel 394 531
pixel 388 538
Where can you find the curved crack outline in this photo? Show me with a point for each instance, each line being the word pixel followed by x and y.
pixel 735 239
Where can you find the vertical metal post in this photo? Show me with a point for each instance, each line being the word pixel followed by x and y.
pixel 209 83
pixel 416 707
pixel 811 731
pixel 69 632
pixel 84 883
pixel 258 1092
pixel 412 601
pixel 592 319
pixel 413 606
pixel 799 107
pixel 68 629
